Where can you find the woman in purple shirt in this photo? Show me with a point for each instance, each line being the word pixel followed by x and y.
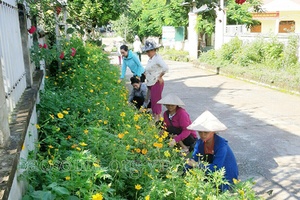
pixel 176 121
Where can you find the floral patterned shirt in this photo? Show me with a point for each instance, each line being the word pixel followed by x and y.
pixel 154 68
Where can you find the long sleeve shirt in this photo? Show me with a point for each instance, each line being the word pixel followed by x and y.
pixel 141 92
pixel 154 68
pixel 134 65
pixel 182 120
pixel 222 157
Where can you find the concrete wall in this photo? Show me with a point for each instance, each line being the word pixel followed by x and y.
pixel 18 187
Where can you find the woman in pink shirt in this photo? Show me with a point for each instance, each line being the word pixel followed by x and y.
pixel 176 121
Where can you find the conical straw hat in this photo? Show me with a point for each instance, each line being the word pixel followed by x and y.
pixel 207 122
pixel 171 99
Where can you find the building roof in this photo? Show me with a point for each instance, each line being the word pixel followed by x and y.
pixel 281 5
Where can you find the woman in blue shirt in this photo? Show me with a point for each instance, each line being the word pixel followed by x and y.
pixel 212 148
pixel 131 60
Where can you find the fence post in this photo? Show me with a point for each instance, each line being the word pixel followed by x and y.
pixel 4 125
pixel 26 53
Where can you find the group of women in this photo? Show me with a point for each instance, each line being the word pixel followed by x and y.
pixel 199 137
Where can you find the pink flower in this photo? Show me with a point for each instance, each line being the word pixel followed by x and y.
pixel 32 30
pixel 45 46
pixel 73 51
pixel 40 45
pixel 62 55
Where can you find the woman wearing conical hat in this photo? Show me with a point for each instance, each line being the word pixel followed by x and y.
pixel 176 121
pixel 212 148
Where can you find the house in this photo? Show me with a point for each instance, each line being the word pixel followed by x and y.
pixel 278 17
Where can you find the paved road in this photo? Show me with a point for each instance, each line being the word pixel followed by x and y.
pixel 263 124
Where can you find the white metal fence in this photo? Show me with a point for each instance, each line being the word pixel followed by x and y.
pixel 11 53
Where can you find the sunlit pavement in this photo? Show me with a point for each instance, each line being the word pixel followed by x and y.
pixel 263 124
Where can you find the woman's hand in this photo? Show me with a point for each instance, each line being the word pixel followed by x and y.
pixel 160 80
pixel 172 143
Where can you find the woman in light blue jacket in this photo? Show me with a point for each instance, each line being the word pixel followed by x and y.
pixel 131 60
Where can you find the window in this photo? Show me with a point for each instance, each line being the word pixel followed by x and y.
pixel 256 28
pixel 286 26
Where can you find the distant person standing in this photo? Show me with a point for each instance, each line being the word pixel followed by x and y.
pixel 137 46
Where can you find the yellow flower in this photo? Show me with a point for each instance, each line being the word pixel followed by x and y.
pixel 105 122
pixel 169 176
pixel 127 147
pixel 167 154
pixel 83 144
pixel 91 90
pixel 137 127
pixel 158 145
pixel 65 112
pixel 147 197
pixel 198 198
pixel 60 115
pixel 165 134
pixel 144 151
pixel 78 148
pixel 96 165
pixel 160 139
pixel 85 131
pixel 68 178
pixel 89 110
pixel 242 193
pixel 50 162
pixel 46 76
pixel 138 187
pixel 37 126
pixel 137 150
pixel 123 114
pixel 120 135
pixel 97 196
pixel 119 81
pixel 136 140
pixel 236 181
pixel 136 118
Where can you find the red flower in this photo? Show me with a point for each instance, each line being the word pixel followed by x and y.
pixel 240 1
pixel 32 30
pixel 73 51
pixel 40 45
pixel 58 10
pixel 62 55
pixel 45 46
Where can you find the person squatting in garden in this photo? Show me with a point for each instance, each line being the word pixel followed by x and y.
pixel 138 93
pixel 137 47
pixel 212 148
pixel 154 71
pixel 130 60
pixel 176 121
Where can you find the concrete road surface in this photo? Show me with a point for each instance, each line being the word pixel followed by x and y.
pixel 263 124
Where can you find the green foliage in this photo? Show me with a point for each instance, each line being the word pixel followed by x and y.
pixel 230 50
pixel 267 61
pixel 176 55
